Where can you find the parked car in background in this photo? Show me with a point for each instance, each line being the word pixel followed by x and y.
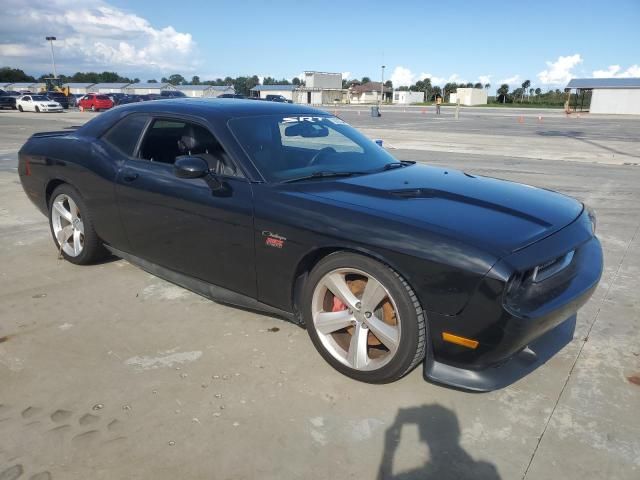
pixel 172 94
pixel 59 97
pixel 121 98
pixel 232 95
pixel 7 101
pixel 278 98
pixel 95 102
pixel 38 103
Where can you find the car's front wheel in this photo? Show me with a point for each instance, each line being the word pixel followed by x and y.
pixel 72 227
pixel 363 318
pixel 20 108
pixel 37 109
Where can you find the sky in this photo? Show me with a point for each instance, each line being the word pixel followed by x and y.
pixel 546 42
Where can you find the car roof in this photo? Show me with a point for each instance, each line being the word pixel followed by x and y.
pixel 222 107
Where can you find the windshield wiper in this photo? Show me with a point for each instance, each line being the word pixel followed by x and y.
pixel 322 174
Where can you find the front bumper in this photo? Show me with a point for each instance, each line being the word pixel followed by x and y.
pixel 516 333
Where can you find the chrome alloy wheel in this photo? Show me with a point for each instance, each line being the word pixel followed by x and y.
pixel 356 319
pixel 67 225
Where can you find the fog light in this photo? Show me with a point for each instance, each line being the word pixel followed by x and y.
pixel 465 342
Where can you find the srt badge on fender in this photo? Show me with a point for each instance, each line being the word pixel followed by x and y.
pixel 273 239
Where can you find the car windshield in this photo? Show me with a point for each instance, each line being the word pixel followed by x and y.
pixel 285 148
pixel 39 98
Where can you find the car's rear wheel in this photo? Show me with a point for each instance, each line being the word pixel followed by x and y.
pixel 363 318
pixel 72 227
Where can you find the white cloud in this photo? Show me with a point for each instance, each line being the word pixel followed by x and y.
pixel 346 75
pixel 614 71
pixel 560 71
pixel 402 76
pixel 515 79
pixel 101 37
pixel 484 79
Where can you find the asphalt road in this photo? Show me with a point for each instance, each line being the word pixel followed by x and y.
pixel 108 372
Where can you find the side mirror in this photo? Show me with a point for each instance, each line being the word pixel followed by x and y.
pixel 190 167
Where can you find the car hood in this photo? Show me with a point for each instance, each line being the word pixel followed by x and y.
pixel 501 215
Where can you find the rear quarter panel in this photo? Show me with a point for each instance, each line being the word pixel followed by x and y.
pixel 82 162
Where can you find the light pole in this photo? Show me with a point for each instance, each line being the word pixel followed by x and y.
pixel 53 60
pixel 382 86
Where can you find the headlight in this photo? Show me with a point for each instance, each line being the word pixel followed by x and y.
pixel 592 217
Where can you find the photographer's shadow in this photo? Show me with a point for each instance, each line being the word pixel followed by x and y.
pixel 439 430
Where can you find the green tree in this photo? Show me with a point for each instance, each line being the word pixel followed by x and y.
pixel 153 80
pixel 195 80
pixel 525 85
pixel 487 86
pixel 503 92
pixel 538 91
pixel 176 79
pixel 478 85
pixel 8 74
pixel 296 81
pixel 365 80
pixel 388 83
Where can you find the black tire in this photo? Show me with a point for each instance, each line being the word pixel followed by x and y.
pixel 93 248
pixel 411 349
pixel 20 108
pixel 37 109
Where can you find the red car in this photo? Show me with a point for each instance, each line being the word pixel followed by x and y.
pixel 95 102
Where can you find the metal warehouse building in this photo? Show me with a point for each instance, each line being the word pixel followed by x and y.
pixel 147 88
pixel 108 88
pixel 205 90
pixel 79 88
pixel 609 95
pixel 25 86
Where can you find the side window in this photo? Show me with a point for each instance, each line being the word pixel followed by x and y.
pixel 125 134
pixel 167 139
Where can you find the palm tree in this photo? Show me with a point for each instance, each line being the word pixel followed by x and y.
pixel 525 85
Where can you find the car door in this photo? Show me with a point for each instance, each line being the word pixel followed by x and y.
pixel 27 104
pixel 188 225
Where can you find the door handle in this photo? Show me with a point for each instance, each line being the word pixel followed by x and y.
pixel 129 176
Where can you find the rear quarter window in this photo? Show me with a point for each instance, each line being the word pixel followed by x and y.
pixel 124 135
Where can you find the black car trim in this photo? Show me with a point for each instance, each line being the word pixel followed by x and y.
pixel 208 290
pixel 536 354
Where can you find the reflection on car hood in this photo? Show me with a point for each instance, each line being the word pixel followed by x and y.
pixel 504 216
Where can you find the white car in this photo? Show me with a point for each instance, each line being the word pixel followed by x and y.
pixel 37 103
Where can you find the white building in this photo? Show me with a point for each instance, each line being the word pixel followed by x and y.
pixel 370 93
pixel 33 87
pixel 407 97
pixel 609 95
pixel 323 80
pixel 147 88
pixel 78 88
pixel 320 88
pixel 208 91
pixel 469 96
pixel 261 91
pixel 108 88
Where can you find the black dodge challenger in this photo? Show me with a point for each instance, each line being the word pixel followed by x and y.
pixel 289 210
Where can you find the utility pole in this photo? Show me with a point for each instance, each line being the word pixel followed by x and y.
pixel 382 85
pixel 53 60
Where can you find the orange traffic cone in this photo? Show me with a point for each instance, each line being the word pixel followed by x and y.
pixel 520 119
